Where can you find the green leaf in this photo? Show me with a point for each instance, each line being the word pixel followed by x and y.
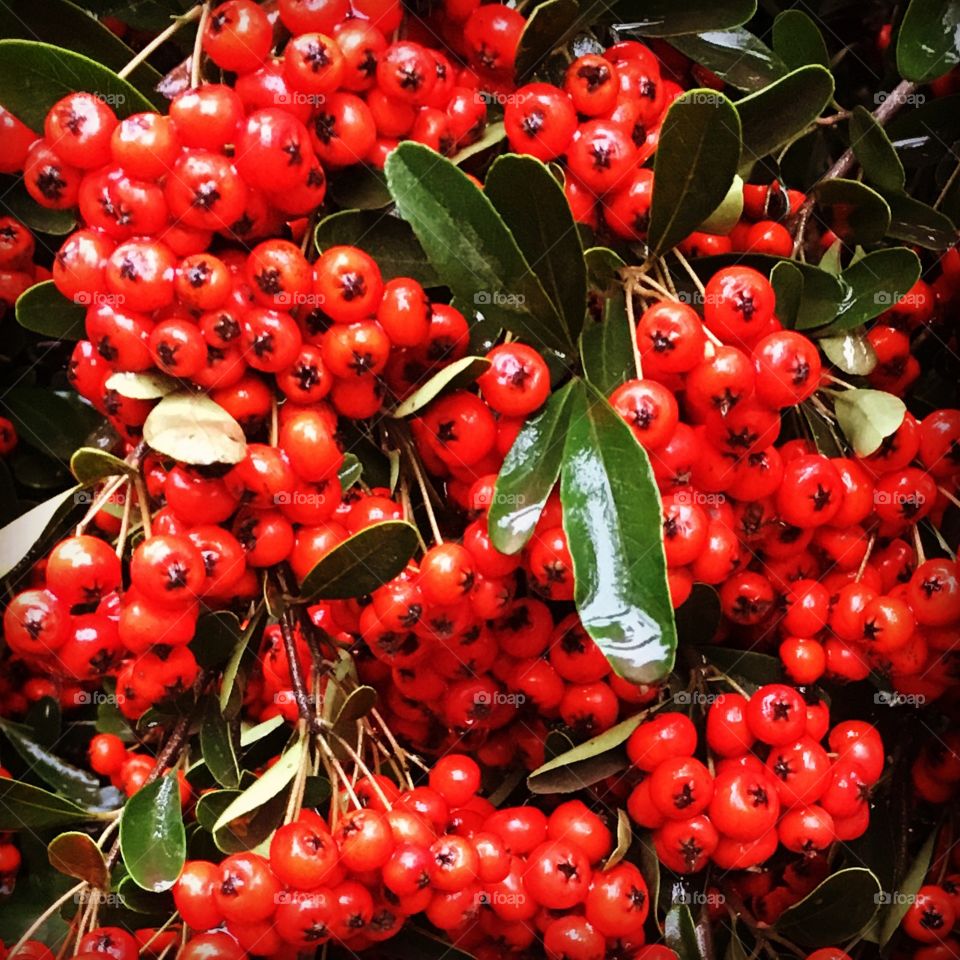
pixel 36 888
pixel 736 56
pixel 867 417
pixel 275 779
pixel 69 26
pixel 34 76
pixel 810 297
pixel 153 841
pixel 928 42
pixel 387 239
pixel 606 348
pixel 663 18
pixel 837 910
pixel 469 245
pixel 874 284
pixel 71 782
pixel 460 373
pixel 21 206
pixel 194 429
pixel 495 133
pixel 874 151
pixel 587 763
pixel 745 666
pixel 680 933
pixel 24 805
pixel 535 210
pixel 89 465
pixel 735 948
pixel 850 352
pixel 551 25
pixel 912 221
pixel 787 282
pixel 44 310
pixel 775 115
pixel 351 470
pixel 698 616
pixel 529 472
pixel 17 539
pixel 612 519
pixel 76 855
pixel 53 423
pixel 218 746
pixel 603 268
pixel 798 40
pixel 232 668
pixel 830 261
pixel 624 839
pixel 855 212
pixel 920 135
pixel 359 187
pixel 141 386
pixel 215 639
pixel 897 909
pixel 728 213
pixel 361 563
pixel 359 702
pixel 695 164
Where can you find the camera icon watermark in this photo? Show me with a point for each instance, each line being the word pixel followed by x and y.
pixel 93 298
pixel 891 897
pixel 497 298
pixel 88 698
pixel 687 698
pixel 893 698
pixel 499 699
pixel 905 99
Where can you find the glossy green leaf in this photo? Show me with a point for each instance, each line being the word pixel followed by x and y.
pixel 24 805
pixel 17 539
pixel 612 519
pixel 20 205
pixel 361 563
pixel 55 424
pixel 698 616
pixel 787 282
pixel 153 841
pixel 874 284
pixel 359 187
pixel 469 245
pixel 551 26
pixel 773 116
pixel 728 213
pixel 810 297
pixel 920 135
pixel 230 671
pixel 194 429
pixel 664 18
pixel 867 417
pixel 215 638
pixel 603 269
pixel 460 373
pixel 529 472
pixel 493 134
pixel 680 933
pixel 69 26
pixel 218 746
pixel 745 666
pixel 850 352
pixel 855 212
pixel 928 42
pixel 34 76
pixel 388 239
pixel 359 702
pixel 624 839
pixel 894 911
pixel 351 470
pixel 831 260
pixel 736 56
pixel 70 782
pixel 587 763
pixel 915 222
pixel 141 386
pixel 36 888
pixel 838 909
pixel 797 40
pixel 695 164
pixel 76 855
pixel 44 310
pixel 535 210
pixel 90 465
pixel 875 153
pixel 606 348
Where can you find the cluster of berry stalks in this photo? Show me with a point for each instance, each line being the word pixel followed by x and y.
pixel 769 782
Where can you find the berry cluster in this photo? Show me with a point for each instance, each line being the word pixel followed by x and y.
pixel 18 273
pixel 769 784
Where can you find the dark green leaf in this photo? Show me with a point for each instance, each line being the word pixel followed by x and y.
pixel 798 40
pixel 38 471
pixel 23 805
pixel 663 18
pixel 494 134
pixel 695 164
pixel 773 116
pixel 606 348
pixel 603 266
pixel 867 417
pixel 45 721
pixel 831 260
pixel 135 898
pixel 90 465
pixel 414 943
pixel 551 25
pixel 928 43
pixel 17 539
pixel 386 238
pixel 850 352
pixel 218 746
pixel 698 616
pixel 55 424
pixel 44 310
pixel 745 665
pixel 153 841
pixel 612 519
pixel 587 763
pixel 458 374
pixel 232 668
pixel 896 910
pixel 915 222
pixel 69 26
pixel 351 470
pixel 736 56
pixel 874 151
pixel 624 839
pixel 34 76
pixel 21 206
pixel 529 472
pixel 359 187
pixel 194 429
pixel 922 135
pixel 855 212
pixel 787 282
pixel 215 638
pixel 362 563
pixel 825 437
pixel 76 855
pixel 71 782
pixel 874 284
pixel 36 888
pixel 469 245
pixel 820 294
pixel 836 911
pixel 680 933
pixel 360 701
pixel 535 210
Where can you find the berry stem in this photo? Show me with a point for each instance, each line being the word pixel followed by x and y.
pixel 918 546
pixel 197 58
pixel 47 914
pixel 949 496
pixel 99 500
pixel 158 41
pixel 144 501
pixel 125 521
pixel 691 273
pixel 871 543
pixel 843 383
pixel 632 329
pixel 425 493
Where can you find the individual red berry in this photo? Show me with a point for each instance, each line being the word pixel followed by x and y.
pixel 238 36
